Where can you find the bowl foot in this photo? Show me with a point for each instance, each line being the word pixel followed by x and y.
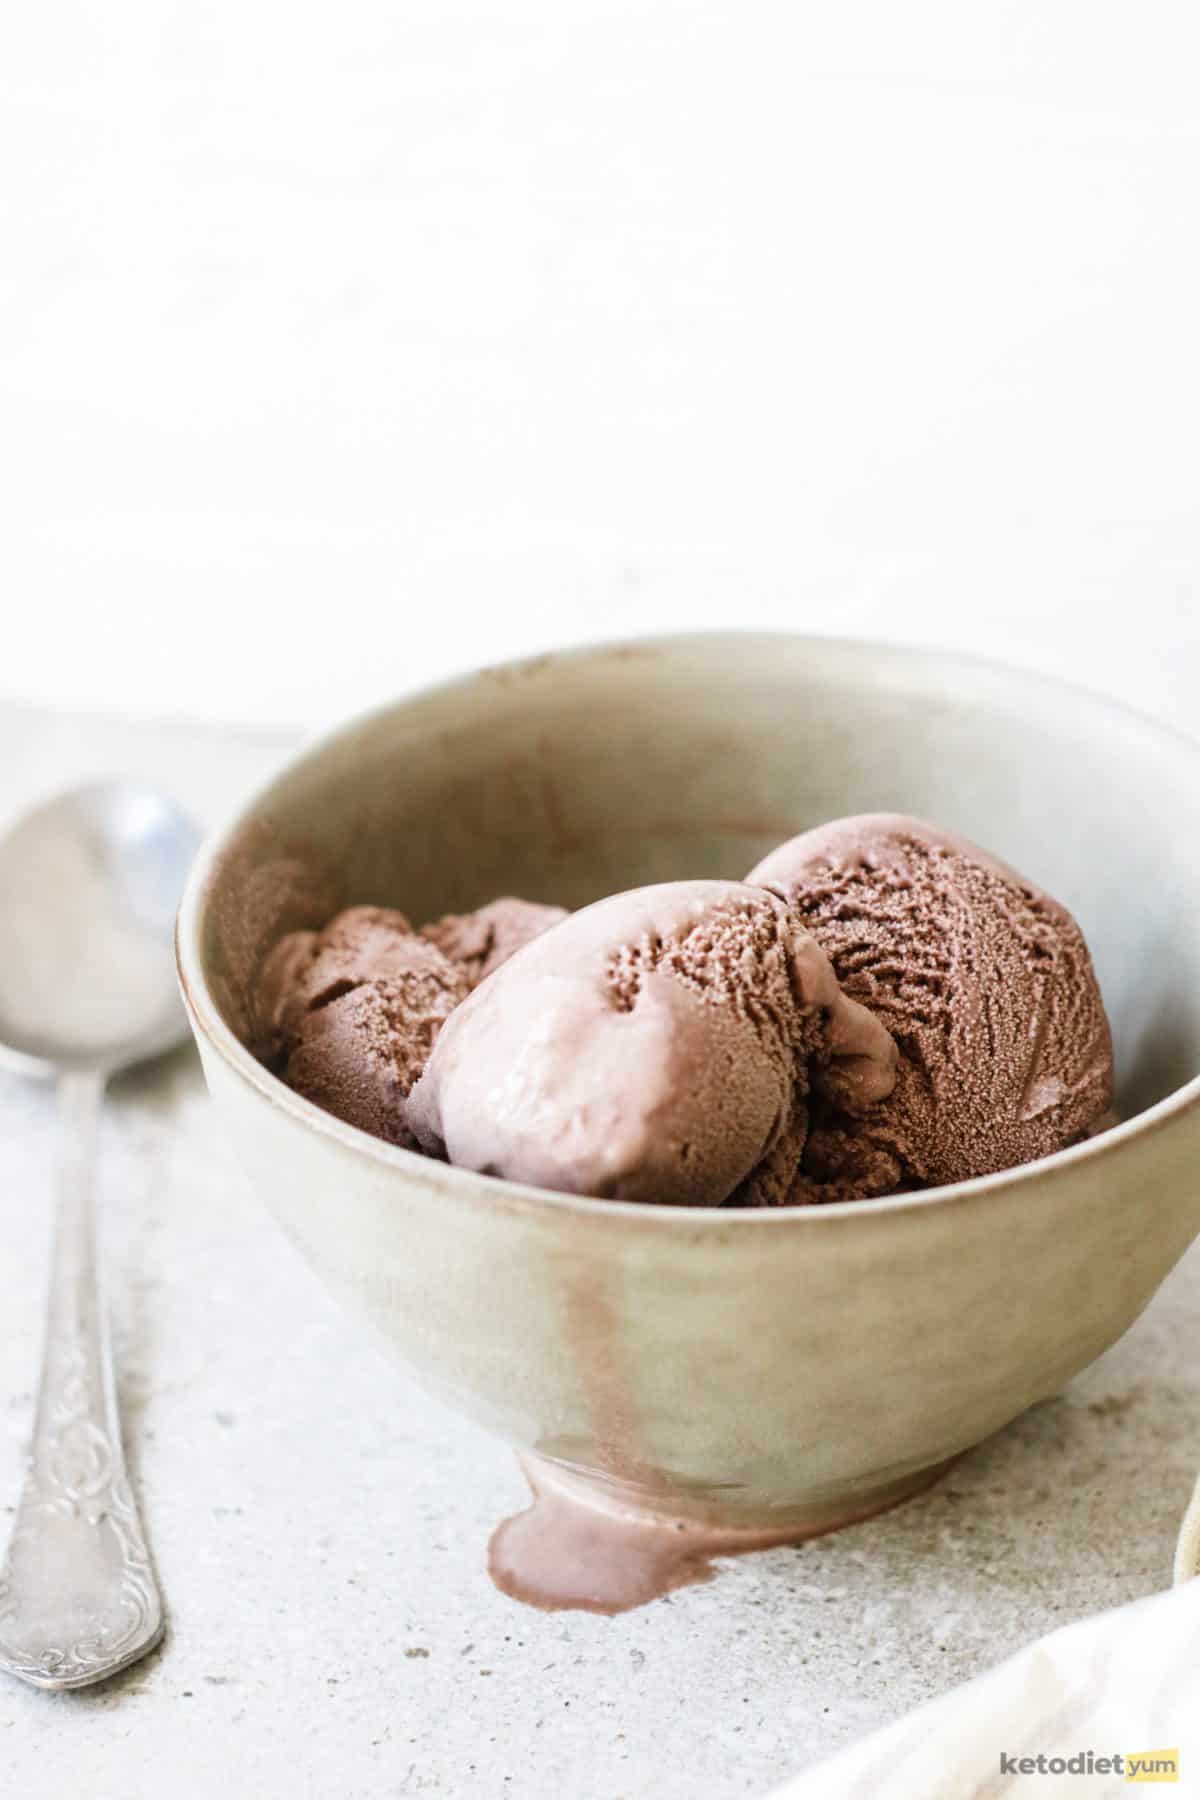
pixel 587 1546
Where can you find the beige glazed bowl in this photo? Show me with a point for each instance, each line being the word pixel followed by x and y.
pixel 780 1369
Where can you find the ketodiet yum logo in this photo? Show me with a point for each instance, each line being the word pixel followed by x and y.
pixel 1134 1765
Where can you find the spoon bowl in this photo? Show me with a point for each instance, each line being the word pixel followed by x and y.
pixel 89 883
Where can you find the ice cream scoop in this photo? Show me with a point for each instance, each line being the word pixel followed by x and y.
pixel 480 941
pixel 657 1046
pixel 350 1014
pixel 986 985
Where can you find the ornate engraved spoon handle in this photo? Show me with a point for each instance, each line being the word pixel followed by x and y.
pixel 78 1599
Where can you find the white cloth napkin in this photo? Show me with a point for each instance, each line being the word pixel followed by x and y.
pixel 1124 1683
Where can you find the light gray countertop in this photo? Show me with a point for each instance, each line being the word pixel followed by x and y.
pixel 319 1525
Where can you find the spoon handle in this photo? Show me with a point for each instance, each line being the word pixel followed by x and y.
pixel 78 1599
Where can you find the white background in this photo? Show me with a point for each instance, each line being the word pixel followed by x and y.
pixel 344 345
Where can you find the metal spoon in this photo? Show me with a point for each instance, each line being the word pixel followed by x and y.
pixel 88 890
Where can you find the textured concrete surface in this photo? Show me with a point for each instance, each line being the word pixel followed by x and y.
pixel 319 1525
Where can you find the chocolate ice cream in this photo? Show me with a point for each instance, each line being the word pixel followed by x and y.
pixel 984 982
pixel 882 1006
pixel 480 941
pixel 657 1046
pixel 348 1015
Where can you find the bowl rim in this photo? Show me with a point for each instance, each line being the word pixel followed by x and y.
pixel 496 1192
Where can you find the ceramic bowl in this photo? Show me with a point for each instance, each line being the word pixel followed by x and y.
pixel 780 1370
